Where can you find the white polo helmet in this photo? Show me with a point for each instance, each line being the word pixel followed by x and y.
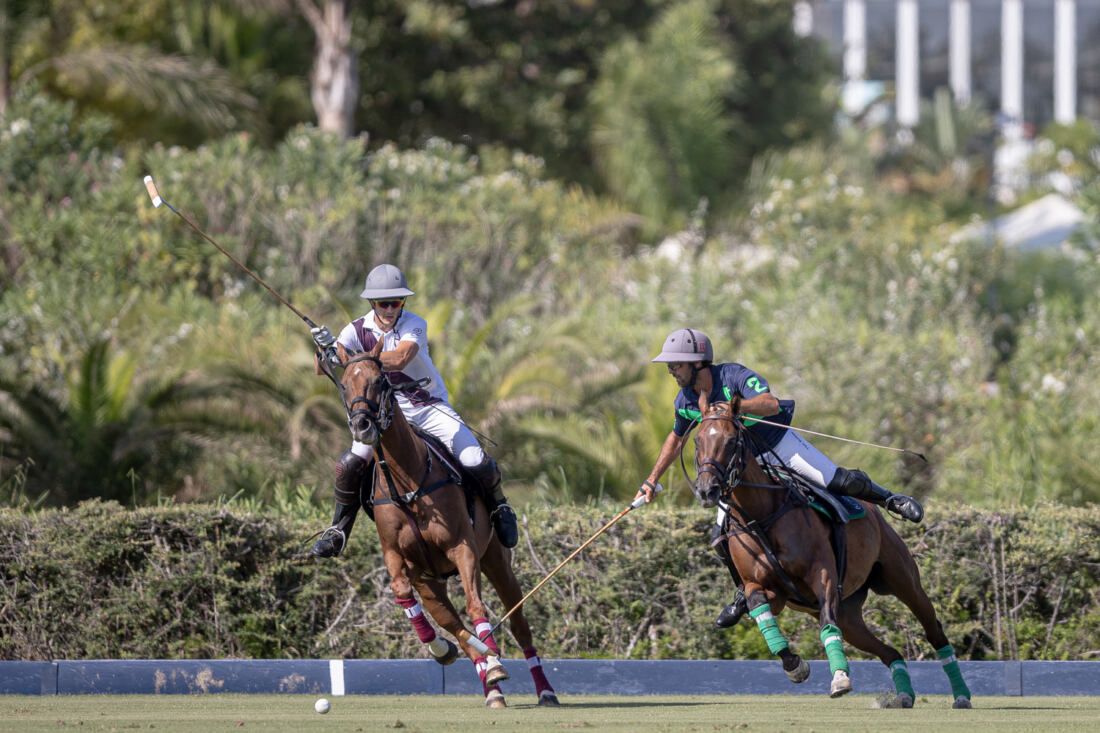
pixel 686 345
pixel 385 281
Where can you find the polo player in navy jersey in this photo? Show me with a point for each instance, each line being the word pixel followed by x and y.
pixel 689 356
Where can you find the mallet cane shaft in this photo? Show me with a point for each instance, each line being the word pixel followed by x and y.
pixel 157 200
pixel 630 507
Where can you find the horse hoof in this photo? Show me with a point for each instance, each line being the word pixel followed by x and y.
pixel 495 672
pixel 443 651
pixel 801 673
pixel 841 685
pixel 495 700
pixel 548 698
pixel 962 703
pixel 886 701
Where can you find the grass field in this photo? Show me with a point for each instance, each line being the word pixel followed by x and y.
pixel 454 714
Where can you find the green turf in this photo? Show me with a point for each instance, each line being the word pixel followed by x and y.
pixel 271 713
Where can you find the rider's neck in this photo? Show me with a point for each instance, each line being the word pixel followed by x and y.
pixel 703 381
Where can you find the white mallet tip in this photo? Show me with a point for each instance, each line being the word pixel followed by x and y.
pixel 153 193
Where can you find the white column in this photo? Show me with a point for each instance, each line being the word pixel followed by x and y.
pixel 908 63
pixel 1065 61
pixel 1012 60
pixel 803 18
pixel 855 54
pixel 959 52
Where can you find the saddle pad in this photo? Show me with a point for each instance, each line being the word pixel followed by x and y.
pixel 837 508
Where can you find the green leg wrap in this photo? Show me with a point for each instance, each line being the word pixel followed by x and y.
pixel 834 648
pixel 951 669
pixel 902 684
pixel 765 621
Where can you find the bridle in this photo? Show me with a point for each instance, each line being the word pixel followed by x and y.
pixel 380 412
pixel 728 474
pixel 731 475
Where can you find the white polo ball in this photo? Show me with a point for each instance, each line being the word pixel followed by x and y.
pixel 322 706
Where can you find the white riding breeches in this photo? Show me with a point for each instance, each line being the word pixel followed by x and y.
pixel 441 420
pixel 802 458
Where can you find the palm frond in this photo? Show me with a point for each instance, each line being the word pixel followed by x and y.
pixel 169 85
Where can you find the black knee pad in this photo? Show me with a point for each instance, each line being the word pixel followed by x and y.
pixel 352 473
pixel 850 482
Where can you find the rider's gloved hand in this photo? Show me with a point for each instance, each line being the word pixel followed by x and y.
pixel 646 493
pixel 323 338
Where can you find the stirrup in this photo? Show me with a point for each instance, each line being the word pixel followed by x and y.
pixel 732 613
pixel 506 525
pixel 905 507
pixel 327 545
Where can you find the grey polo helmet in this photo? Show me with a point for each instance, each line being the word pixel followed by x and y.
pixel 686 345
pixel 385 281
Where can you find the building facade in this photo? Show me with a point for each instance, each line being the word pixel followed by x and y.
pixel 1033 61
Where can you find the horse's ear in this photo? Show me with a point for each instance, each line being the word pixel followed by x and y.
pixel 377 348
pixel 735 405
pixel 341 353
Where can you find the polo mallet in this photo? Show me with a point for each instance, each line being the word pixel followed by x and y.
pixel 157 199
pixel 640 501
pixel 836 437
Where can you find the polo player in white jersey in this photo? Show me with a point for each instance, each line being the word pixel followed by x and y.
pixel 405 358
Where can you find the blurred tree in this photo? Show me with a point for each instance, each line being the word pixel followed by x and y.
pixel 60 44
pixel 680 115
pixel 109 434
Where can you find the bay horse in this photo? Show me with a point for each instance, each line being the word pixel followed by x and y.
pixel 430 529
pixel 782 548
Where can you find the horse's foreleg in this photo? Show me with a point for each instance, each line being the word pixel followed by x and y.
pixel 441 650
pixel 760 610
pixel 495 563
pixel 469 570
pixel 824 583
pixel 434 594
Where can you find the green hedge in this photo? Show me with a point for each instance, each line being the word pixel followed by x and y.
pixel 206 581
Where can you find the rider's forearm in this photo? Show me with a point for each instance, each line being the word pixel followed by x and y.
pixel 396 360
pixel 764 405
pixel 666 457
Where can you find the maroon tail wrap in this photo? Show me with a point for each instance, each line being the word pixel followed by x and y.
pixel 535 665
pixel 419 621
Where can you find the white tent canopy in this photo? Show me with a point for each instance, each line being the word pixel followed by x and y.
pixel 1044 224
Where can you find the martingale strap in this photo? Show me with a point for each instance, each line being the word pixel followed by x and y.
pixel 733 527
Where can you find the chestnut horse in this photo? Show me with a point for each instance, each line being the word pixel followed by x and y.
pixel 429 530
pixel 782 549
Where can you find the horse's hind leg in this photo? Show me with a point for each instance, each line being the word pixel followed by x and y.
pixel 760 610
pixel 858 635
pixel 496 564
pixel 434 594
pixel 900 573
pixel 441 650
